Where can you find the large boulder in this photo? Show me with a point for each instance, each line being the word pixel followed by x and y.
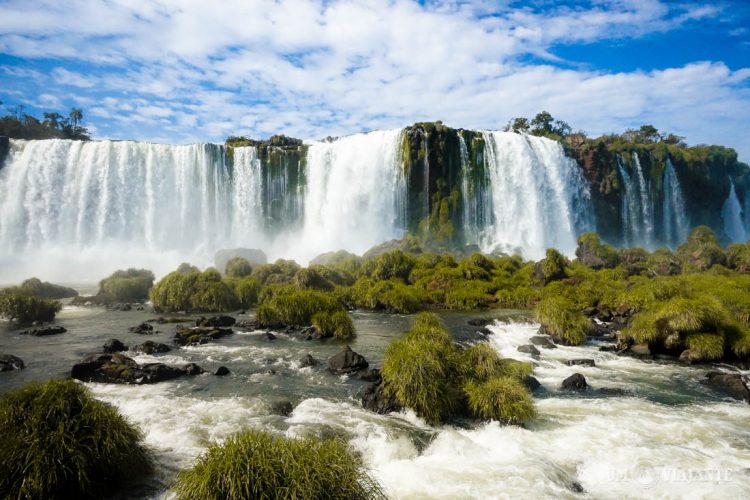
pixel 8 362
pixel 347 361
pixel 575 382
pixel 116 368
pixel 731 384
pixel 252 255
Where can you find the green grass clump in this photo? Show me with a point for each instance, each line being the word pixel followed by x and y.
pixel 188 289
pixel 425 371
pixel 552 267
pixel 394 264
pixel 59 442
pixel 246 290
pixel 280 272
pixel 738 257
pixel 23 308
pixel 257 464
pixel 701 251
pixel 131 285
pixel 336 324
pixel 595 254
pixel 297 307
pixel 707 346
pixel 468 296
pixel 500 398
pixel 46 290
pixel 238 267
pixel 312 279
pixel 562 320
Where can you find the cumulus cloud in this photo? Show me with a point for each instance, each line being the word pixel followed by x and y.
pixel 186 70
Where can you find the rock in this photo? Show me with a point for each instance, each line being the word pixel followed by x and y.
pixel 608 348
pixel 151 347
pixel 248 324
pixel 8 362
pixel 640 351
pixel 268 336
pixel 254 256
pixel 731 384
pixel 221 371
pixel 673 342
pixel 484 331
pixel 531 383
pixel 44 331
pixel 370 375
pixel 529 349
pixel 612 392
pixel 114 345
pixel 375 399
pixel 688 356
pixel 580 362
pixel 163 321
pixel 215 321
pixel 480 322
pixel 4 148
pixel 117 368
pixel 543 342
pixel 143 329
pixel 406 245
pixel 346 361
pixel 308 360
pixel 575 382
pixel 199 335
pixel 283 408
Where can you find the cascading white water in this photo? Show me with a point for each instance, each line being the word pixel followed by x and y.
pixel 731 214
pixel 674 214
pixel 353 193
pixel 637 205
pixel 67 198
pixel 539 197
pixel 630 205
pixel 475 196
pixel 647 206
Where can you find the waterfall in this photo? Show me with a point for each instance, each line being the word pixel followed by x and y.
pixel 476 197
pixel 637 205
pixel 647 208
pixel 539 197
pixel 630 205
pixel 354 189
pixel 674 214
pixel 731 214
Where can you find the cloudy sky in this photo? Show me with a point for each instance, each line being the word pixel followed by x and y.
pixel 194 70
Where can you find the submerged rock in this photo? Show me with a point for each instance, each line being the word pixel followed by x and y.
pixel 283 408
pixel 117 368
pixel 530 350
pixel 531 383
pixel 44 331
pixel 221 371
pixel 543 342
pixel 347 361
pixel 114 345
pixel 580 362
pixel 308 360
pixel 162 320
pixel 215 321
pixel 575 382
pixel 8 362
pixel 480 322
pixel 731 384
pixel 151 347
pixel 142 329
pixel 199 335
pixel 268 336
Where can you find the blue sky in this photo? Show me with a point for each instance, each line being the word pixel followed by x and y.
pixel 187 70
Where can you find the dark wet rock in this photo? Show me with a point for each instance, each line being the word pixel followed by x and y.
pixel 689 356
pixel 580 362
pixel 375 399
pixel 151 347
pixel 164 321
pixel 221 371
pixel 283 408
pixel 248 324
pixel 270 371
pixel 346 361
pixel 116 368
pixel 8 362
pixel 268 336
pixel 215 321
pixel 531 383
pixel 575 381
pixel 484 331
pixel 600 330
pixel 192 369
pixel 370 375
pixel 114 345
pixel 673 342
pixel 142 329
pixel 480 322
pixel 731 384
pixel 199 335
pixel 543 342
pixel 608 348
pixel 529 349
pixel 576 487
pixel 159 372
pixel 613 392
pixel 44 331
pixel 641 351
pixel 308 360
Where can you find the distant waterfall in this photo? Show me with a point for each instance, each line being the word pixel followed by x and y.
pixel 476 196
pixel 731 214
pixel 539 197
pixel 354 189
pixel 674 214
pixel 637 205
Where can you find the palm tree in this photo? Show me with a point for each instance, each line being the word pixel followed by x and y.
pixel 76 115
pixel 52 119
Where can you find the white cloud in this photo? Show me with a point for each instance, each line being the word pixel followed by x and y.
pixel 190 69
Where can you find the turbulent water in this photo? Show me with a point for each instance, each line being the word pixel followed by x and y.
pixel 663 435
pixel 731 213
pixel 675 225
pixel 539 197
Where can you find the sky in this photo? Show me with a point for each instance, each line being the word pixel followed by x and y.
pixel 183 71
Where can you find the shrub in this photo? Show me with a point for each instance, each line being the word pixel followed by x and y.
pixel 500 398
pixel 238 267
pixel 246 290
pixel 468 295
pixel 738 257
pixel 595 254
pixel 131 285
pixel 256 464
pixel 59 442
pixel 337 324
pixel 45 290
pixel 551 268
pixel 706 346
pixel 394 264
pixel 280 272
pixel 561 319
pixel 701 251
pixel 24 308
pixel 311 278
pixel 297 307
pixel 480 362
pixel 190 290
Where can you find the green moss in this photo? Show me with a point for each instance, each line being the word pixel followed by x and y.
pixel 337 324
pixel 59 442
pixel 257 464
pixel 238 267
pixel 562 320
pixel 500 398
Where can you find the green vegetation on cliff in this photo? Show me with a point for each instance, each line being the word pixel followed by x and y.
pixel 19 125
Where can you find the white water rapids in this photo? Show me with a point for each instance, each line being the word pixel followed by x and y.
pixel 667 436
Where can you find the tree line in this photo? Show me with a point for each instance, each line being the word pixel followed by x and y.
pixel 18 124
